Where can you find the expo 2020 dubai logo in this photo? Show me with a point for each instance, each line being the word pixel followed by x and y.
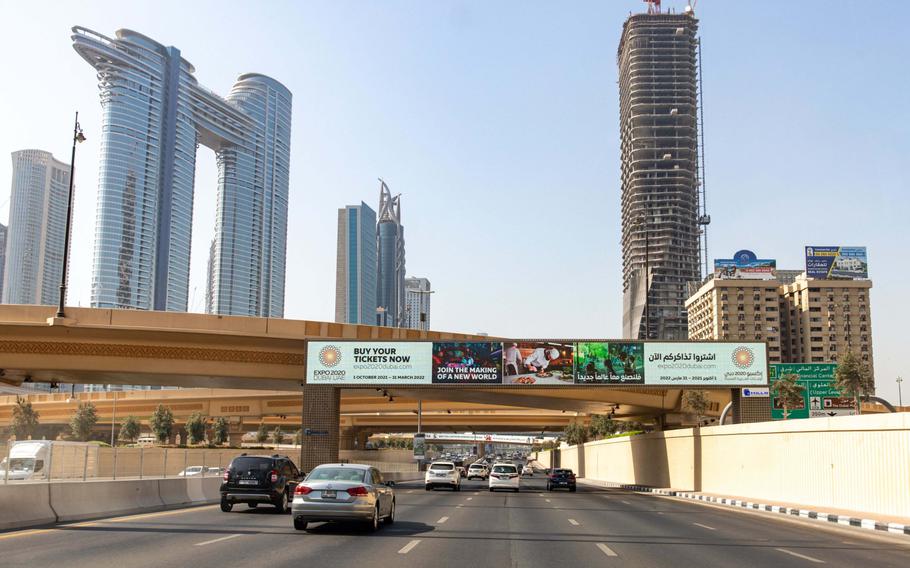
pixel 329 356
pixel 743 357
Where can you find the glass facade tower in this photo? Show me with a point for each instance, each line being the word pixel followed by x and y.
pixel 155 114
pixel 390 262
pixel 355 275
pixel 37 226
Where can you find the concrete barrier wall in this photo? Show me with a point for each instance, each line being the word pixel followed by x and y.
pixel 859 463
pixel 92 499
pixel 25 506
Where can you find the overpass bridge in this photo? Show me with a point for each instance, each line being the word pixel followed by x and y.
pixel 108 346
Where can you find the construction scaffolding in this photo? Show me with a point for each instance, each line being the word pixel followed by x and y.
pixel 662 220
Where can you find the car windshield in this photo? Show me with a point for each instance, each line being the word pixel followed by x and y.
pixel 336 474
pixel 442 466
pixel 20 464
pixel 504 469
pixel 251 464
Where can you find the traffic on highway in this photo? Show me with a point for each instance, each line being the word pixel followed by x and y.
pixel 346 514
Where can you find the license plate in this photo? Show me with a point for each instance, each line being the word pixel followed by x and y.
pixel 249 482
pixel 329 494
pixel 441 474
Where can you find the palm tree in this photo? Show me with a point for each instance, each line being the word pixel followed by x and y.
pixel 697 401
pixel 789 392
pixel 853 378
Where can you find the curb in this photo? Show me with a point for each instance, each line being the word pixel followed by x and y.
pixel 844 520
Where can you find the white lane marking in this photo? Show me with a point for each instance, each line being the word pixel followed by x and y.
pixel 218 539
pixel 605 549
pixel 409 547
pixel 410 491
pixel 626 502
pixel 477 493
pixel 660 512
pixel 547 500
pixel 573 522
pixel 798 555
pixel 469 498
pixel 442 520
pixel 540 494
pixel 459 506
pixel 704 526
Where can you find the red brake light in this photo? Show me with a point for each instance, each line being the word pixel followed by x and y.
pixel 302 490
pixel 359 491
pixel 274 476
pixel 226 475
pixel 571 476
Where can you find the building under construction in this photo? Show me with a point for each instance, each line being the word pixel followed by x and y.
pixel 663 213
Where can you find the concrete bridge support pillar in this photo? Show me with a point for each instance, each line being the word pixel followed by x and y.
pixel 320 424
pixel 362 438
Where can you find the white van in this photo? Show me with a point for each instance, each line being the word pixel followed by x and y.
pixel 27 460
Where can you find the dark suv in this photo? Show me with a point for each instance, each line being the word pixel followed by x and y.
pixel 560 478
pixel 260 479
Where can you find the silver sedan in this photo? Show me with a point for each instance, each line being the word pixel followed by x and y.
pixel 344 492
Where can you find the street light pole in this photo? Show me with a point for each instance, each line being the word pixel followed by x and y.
pixel 113 417
pixel 77 137
pixel 900 400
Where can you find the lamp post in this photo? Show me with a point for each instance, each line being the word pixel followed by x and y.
pixel 380 313
pixel 113 417
pixel 77 137
pixel 900 400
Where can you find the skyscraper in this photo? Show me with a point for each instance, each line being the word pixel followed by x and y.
pixel 390 276
pixel 658 91
pixel 155 113
pixel 2 257
pixel 355 274
pixel 417 303
pixel 37 227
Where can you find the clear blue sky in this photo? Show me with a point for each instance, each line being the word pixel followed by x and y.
pixel 498 121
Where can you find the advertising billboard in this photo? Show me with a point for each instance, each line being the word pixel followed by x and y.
pixel 820 399
pixel 837 263
pixel 539 362
pixel 706 364
pixel 385 363
pixel 613 363
pixel 467 363
pixel 745 266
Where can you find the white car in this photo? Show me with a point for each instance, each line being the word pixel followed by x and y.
pixel 505 476
pixel 192 471
pixel 527 470
pixel 442 474
pixel 478 471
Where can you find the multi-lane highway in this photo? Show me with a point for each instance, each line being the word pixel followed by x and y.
pixel 593 527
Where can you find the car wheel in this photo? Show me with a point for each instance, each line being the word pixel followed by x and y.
pixel 428 487
pixel 226 506
pixel 548 487
pixel 572 489
pixel 491 489
pixel 290 500
pixel 391 518
pixel 282 503
pixel 300 524
pixel 373 525
pixel 458 488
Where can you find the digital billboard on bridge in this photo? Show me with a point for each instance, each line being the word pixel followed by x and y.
pixel 540 363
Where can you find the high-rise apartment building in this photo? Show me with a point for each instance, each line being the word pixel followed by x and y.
pixel 391 267
pixel 155 113
pixel 658 91
pixel 803 320
pixel 355 274
pixel 37 228
pixel 2 257
pixel 417 303
pixel 824 319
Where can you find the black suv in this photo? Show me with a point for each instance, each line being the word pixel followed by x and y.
pixel 260 479
pixel 558 477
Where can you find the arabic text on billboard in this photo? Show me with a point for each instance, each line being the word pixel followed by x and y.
pixel 744 266
pixel 540 362
pixel 837 263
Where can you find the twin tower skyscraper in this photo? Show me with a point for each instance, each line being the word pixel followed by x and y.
pixel 155 114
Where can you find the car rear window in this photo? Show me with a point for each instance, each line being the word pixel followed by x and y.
pixel 476 466
pixel 442 466
pixel 336 474
pixel 562 471
pixel 505 469
pixel 251 464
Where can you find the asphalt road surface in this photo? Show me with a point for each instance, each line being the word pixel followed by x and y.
pixel 473 528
